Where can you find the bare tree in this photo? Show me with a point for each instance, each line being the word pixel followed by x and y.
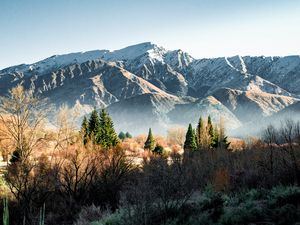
pixel 176 135
pixel 21 117
pixel 66 133
pixel 270 137
pixel 77 170
pixel 290 133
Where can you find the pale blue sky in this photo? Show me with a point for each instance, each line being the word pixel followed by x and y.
pixel 31 30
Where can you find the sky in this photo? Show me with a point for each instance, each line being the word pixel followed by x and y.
pixel 32 30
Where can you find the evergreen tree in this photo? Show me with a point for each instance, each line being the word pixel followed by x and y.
pixel 85 129
pixel 200 133
pixel 158 149
pixel 190 143
pixel 210 127
pixel 94 124
pixel 224 143
pixel 150 142
pixel 107 135
pixel 128 135
pixel 215 139
pixel 122 136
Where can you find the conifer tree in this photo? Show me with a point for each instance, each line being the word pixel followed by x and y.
pixel 94 124
pixel 224 143
pixel 200 133
pixel 150 142
pixel 128 135
pixel 210 127
pixel 122 136
pixel 107 135
pixel 85 129
pixel 215 139
pixel 190 143
pixel 158 149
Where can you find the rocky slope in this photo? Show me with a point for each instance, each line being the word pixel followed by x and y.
pixel 165 87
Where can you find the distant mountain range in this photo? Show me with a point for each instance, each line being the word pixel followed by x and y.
pixel 145 85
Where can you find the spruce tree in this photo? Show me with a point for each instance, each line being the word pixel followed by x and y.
pixel 107 135
pixel 85 130
pixel 122 136
pixel 190 143
pixel 94 124
pixel 128 135
pixel 150 142
pixel 199 133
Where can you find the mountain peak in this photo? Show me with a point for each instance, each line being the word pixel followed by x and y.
pixel 134 51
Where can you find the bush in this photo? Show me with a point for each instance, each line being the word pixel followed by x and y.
pixel 211 208
pixel 89 214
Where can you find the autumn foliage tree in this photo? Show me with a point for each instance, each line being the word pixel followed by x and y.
pixel 22 116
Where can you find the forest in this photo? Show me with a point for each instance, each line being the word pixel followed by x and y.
pixel 93 175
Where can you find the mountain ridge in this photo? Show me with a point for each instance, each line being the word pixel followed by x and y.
pixel 102 78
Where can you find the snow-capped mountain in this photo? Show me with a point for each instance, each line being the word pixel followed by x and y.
pixel 167 87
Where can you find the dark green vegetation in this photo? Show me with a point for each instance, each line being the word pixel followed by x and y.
pixel 206 136
pixel 100 130
pixel 122 136
pixel 150 142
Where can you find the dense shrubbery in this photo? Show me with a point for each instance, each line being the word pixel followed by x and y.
pixel 279 205
pixel 164 189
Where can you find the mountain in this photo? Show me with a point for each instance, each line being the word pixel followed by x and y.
pixel 145 110
pixel 248 105
pixel 154 64
pixel 189 113
pixel 146 85
pixel 291 111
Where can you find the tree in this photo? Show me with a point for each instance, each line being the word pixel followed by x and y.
pixel 128 135
pixel 150 142
pixel 22 116
pixel 200 133
pixel 85 130
pixel 122 136
pixel 66 124
pixel 107 135
pixel 219 140
pixel 225 143
pixel 176 135
pixel 270 137
pixel 94 124
pixel 290 134
pixel 215 139
pixel 190 143
pixel 158 149
pixel 210 127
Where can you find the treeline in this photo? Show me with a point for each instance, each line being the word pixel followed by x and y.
pixel 206 136
pixel 88 178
